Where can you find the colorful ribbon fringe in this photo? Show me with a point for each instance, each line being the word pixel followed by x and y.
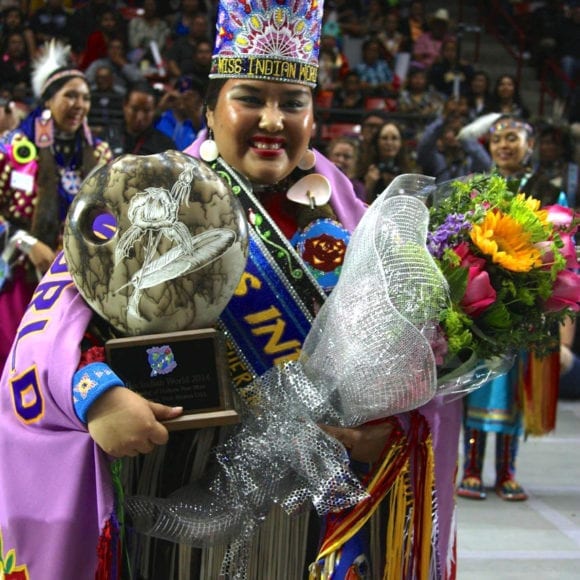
pixel 539 392
pixel 406 474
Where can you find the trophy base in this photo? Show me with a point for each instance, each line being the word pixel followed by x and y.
pixel 180 369
pixel 203 420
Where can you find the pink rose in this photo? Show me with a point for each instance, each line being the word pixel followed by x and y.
pixel 547 250
pixel 569 250
pixel 479 293
pixel 566 293
pixel 560 216
pixel 467 258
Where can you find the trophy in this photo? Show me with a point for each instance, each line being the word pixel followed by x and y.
pixel 156 246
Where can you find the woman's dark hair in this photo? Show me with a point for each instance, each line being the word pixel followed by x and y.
pixel 6 39
pixel 119 32
pixel 10 10
pixel 375 113
pixel 62 77
pixel 214 87
pixel 517 99
pixel 514 80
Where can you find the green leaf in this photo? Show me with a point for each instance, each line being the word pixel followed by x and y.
pixel 9 564
pixel 457 280
pixel 497 316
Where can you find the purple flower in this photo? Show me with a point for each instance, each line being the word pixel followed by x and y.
pixel 447 233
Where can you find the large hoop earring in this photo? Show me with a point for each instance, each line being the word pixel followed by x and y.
pixel 208 150
pixel 308 160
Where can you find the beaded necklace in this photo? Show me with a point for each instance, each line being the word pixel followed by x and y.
pixel 67 152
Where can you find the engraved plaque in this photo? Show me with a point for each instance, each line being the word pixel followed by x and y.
pixel 186 369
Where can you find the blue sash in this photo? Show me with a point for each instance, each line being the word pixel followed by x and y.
pixel 271 312
pixel 266 318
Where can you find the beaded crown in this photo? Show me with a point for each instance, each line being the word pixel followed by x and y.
pixel 277 40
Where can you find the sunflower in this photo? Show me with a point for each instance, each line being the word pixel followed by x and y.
pixel 531 203
pixel 506 241
pixel 528 210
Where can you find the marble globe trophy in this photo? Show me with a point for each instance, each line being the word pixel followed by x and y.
pixel 157 245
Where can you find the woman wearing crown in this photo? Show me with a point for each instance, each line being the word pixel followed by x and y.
pixel 301 210
pixel 259 128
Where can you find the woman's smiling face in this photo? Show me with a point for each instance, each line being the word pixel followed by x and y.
pixel 508 148
pixel 70 105
pixel 389 141
pixel 262 128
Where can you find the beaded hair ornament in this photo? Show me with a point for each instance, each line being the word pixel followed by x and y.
pixel 265 40
pixel 511 123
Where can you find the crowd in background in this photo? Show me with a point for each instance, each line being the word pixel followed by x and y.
pixel 393 82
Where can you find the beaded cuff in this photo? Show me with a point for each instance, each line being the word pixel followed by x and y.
pixel 89 383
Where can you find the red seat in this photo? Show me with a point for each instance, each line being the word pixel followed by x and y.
pixel 380 104
pixel 331 131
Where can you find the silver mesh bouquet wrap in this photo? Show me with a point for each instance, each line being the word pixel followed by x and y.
pixel 467 376
pixel 369 348
pixel 367 356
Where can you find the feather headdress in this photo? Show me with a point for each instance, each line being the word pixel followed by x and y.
pixel 54 56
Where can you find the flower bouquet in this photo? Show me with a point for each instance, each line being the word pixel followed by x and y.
pixel 511 268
